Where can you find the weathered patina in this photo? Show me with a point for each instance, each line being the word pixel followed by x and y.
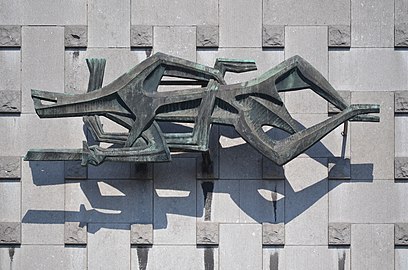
pixel 134 102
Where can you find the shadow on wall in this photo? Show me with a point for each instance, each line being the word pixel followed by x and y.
pixel 134 200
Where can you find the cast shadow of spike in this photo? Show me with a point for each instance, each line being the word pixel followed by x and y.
pixel 109 211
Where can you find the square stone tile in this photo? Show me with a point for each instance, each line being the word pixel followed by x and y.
pixel 401 101
pixel 401 234
pixel 207 233
pixel 76 36
pixel 74 170
pixel 339 36
pixel 339 168
pixel 339 234
pixel 10 36
pixel 273 234
pixel 273 36
pixel 141 234
pixel 207 36
pixel 401 168
pixel 10 102
pixel 10 233
pixel 141 36
pixel 10 167
pixel 75 233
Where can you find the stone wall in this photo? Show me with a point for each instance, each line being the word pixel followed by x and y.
pixel 342 205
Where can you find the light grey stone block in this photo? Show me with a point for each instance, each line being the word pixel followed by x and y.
pixel 339 234
pixel 76 35
pixel 50 12
pixel 10 201
pixel 380 201
pixel 373 69
pixel 247 248
pixel 401 101
pixel 207 233
pixel 314 12
pixel 261 201
pixel 401 35
pixel 339 36
pixel 10 233
pixel 365 137
pixel 175 202
pixel 305 200
pixel 238 160
pixel 75 257
pixel 108 247
pixel 339 168
pixel 42 203
pixel 183 12
pixel 401 138
pixel 372 246
pixel 75 233
pixel 273 234
pixel 273 258
pixel 273 36
pixel 10 36
pixel 42 257
pixel 175 40
pixel 74 170
pixel 10 69
pixel 141 36
pixel 346 95
pixel 401 168
pixel 207 36
pixel 108 201
pixel 401 258
pixel 11 12
pixel 264 60
pixel 10 167
pixel 372 23
pixel 272 171
pixel 114 17
pixel 41 62
pixel 141 234
pixel 10 257
pixel 236 31
pixel 10 102
pixel 401 15
pixel 401 234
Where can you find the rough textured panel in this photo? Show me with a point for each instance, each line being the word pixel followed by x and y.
pixel 109 247
pixel 74 170
pixel 141 234
pixel 261 201
pixel 42 257
pixel 243 252
pixel 381 201
pixel 339 36
pixel 75 257
pixel 272 171
pixel 372 23
pixel 401 35
pixel 372 246
pixel 236 156
pixel 109 23
pixel 10 201
pixel 141 36
pixel 75 233
pixel 108 201
pixel 306 12
pixel 43 202
pixel 374 69
pixel 306 200
pixel 401 234
pixel 401 101
pixel 174 202
pixel 273 36
pixel 10 167
pixel 118 61
pixel 10 69
pixel 10 102
pixel 184 12
pixel 379 141
pixel 10 233
pixel 10 36
pixel 401 168
pixel 273 234
pixel 176 41
pixel 346 95
pixel 11 12
pixel 76 36
pixel 42 60
pixel 207 36
pixel 264 60
pixel 401 138
pixel 207 233
pixel 236 31
pixel 339 233
pixel 339 168
pixel 54 12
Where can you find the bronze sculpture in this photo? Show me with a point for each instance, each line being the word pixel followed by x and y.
pixel 134 102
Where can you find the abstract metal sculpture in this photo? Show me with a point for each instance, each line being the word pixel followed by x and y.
pixel 134 102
